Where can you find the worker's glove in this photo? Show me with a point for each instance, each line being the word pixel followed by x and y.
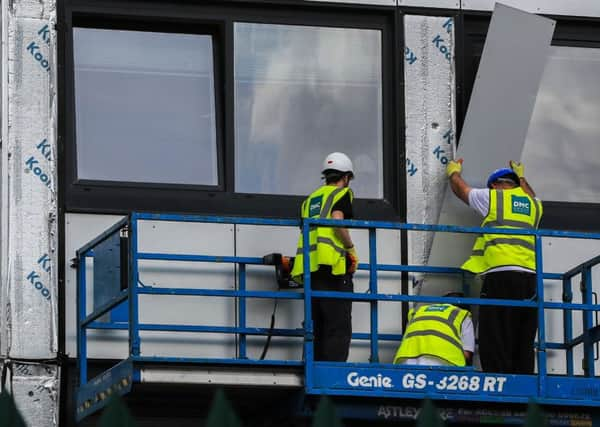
pixel 352 258
pixel 454 166
pixel 517 168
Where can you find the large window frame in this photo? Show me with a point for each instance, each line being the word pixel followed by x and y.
pixel 218 20
pixel 570 32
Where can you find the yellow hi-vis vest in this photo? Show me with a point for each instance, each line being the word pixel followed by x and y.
pixel 325 247
pixel 511 208
pixel 434 330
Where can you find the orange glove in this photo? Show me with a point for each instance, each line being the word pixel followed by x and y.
pixel 352 256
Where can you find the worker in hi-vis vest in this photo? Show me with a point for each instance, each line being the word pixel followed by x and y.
pixel 333 259
pixel 506 334
pixel 437 334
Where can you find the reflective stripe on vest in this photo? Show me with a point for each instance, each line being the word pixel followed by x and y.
pixel 496 250
pixel 434 333
pixel 325 247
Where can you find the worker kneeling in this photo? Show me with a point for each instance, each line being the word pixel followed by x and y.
pixel 439 335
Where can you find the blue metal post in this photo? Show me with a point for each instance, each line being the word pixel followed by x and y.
pixel 373 289
pixel 568 323
pixel 81 330
pixel 588 322
pixel 242 310
pixel 308 324
pixel 542 367
pixel 134 329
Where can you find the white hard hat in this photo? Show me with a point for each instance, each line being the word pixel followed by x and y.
pixel 338 162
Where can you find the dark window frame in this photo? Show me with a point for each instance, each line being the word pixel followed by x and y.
pixel 569 31
pixel 212 29
pixel 217 20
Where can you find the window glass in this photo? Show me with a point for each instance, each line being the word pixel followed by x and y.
pixel 562 151
pixel 302 92
pixel 145 107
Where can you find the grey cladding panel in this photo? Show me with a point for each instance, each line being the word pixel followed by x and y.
pixel 506 86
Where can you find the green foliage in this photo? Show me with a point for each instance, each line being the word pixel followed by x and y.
pixel 326 415
pixel 222 413
pixel 535 416
pixel 9 414
pixel 429 415
pixel 116 414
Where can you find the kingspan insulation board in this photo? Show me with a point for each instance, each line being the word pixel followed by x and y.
pixel 429 75
pixel 29 299
pixel 506 86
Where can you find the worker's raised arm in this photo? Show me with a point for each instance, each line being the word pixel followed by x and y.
pixel 519 169
pixel 458 185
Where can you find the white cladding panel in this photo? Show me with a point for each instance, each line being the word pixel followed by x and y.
pixel 170 238
pixel 258 241
pixel 560 255
pixel 489 139
pixel 220 239
pixel 589 8
pixel 367 2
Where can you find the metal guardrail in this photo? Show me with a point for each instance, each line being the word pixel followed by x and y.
pixel 356 379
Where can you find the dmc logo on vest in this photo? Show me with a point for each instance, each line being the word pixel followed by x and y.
pixel 520 205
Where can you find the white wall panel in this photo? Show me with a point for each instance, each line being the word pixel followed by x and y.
pixel 590 8
pixel 366 2
pixel 441 4
pixel 170 238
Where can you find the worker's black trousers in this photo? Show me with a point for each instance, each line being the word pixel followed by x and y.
pixel 507 334
pixel 332 318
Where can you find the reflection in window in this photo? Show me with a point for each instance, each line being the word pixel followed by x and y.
pixel 145 107
pixel 302 92
pixel 562 151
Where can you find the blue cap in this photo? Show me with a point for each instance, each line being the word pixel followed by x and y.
pixel 502 173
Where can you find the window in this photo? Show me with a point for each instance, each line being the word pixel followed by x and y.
pixel 562 153
pixel 228 108
pixel 302 92
pixel 145 107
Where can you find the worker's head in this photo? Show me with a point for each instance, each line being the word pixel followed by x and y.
pixel 503 178
pixel 337 167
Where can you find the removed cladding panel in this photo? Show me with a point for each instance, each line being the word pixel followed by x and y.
pixel 496 123
pixel 429 91
pixel 589 8
pixel 29 281
pixel 35 388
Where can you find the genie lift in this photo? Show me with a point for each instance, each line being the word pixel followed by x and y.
pixel 116 261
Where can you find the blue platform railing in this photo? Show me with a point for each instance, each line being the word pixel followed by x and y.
pixel 353 379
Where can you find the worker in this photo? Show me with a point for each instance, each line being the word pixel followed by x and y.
pixel 333 259
pixel 438 334
pixel 507 263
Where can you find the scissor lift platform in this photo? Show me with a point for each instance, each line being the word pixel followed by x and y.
pixel 370 383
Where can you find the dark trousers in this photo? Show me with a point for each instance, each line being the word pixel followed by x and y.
pixel 332 318
pixel 507 334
